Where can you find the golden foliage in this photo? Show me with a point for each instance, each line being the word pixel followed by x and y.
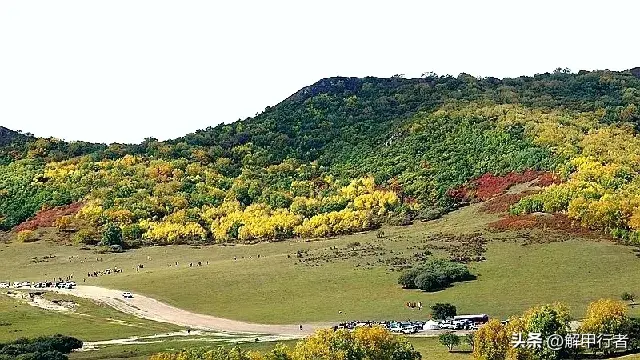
pixel 605 316
pixel 26 236
pixel 491 341
pixel 364 343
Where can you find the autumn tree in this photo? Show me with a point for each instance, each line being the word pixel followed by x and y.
pixel 219 353
pixel 605 316
pixel 364 343
pixel 491 341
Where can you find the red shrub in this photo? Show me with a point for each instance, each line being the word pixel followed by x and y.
pixel 46 218
pixel 488 185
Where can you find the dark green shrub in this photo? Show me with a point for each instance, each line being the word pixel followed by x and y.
pixel 435 275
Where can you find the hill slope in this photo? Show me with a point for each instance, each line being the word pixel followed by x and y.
pixel 344 155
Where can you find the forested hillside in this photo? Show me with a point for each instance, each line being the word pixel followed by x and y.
pixel 340 156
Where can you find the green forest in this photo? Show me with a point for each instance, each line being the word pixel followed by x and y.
pixel 341 156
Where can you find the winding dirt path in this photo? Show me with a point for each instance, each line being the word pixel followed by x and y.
pixel 148 308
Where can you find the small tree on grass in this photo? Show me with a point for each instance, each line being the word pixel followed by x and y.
pixel 626 296
pixel 449 340
pixel 443 311
pixel 468 339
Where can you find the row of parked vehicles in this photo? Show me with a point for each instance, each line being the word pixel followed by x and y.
pixel 406 327
pixel 38 285
pixel 462 322
pixel 451 324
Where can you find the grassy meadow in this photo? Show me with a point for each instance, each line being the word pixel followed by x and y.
pixel 89 321
pixel 334 280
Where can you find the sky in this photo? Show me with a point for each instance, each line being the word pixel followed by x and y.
pixel 123 70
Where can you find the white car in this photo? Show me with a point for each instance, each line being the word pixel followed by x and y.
pixel 127 295
pixel 4 285
pixel 447 325
pixel 395 328
pixel 409 330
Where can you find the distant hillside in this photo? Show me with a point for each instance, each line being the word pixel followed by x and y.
pixel 344 155
pixel 8 136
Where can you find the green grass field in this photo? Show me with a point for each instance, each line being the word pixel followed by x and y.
pixel 89 322
pixel 279 288
pixel 331 276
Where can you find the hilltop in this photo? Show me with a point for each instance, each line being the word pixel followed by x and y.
pixel 8 136
pixel 341 156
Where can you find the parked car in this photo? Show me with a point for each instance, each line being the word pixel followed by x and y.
pixel 447 325
pixel 4 285
pixel 410 329
pixel 395 328
pixel 127 295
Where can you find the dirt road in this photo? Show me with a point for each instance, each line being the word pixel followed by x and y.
pixel 148 308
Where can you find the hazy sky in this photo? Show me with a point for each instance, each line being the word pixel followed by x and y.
pixel 123 70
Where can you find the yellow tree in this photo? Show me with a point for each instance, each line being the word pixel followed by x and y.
pixel 370 343
pixel 605 316
pixel 491 341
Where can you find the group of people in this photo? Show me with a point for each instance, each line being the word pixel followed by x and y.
pixel 235 258
pixel 198 264
pixel 115 270
pixel 191 264
pixel 414 305
pixel 72 257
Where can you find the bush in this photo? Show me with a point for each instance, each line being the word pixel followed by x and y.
pixel 27 236
pixel 42 348
pixel 430 213
pixel 527 206
pixel 401 219
pixel 86 237
pixel 64 222
pixel 47 355
pixel 408 278
pixel 435 275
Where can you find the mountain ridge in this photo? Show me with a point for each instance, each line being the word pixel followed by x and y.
pixel 345 155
